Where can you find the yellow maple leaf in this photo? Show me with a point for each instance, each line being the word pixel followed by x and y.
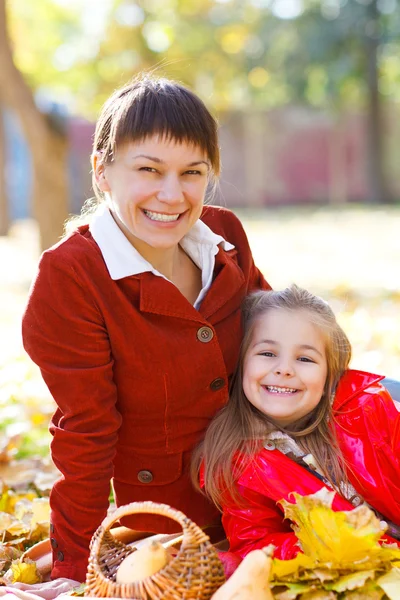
pixel 339 539
pixel 24 572
pixel 282 568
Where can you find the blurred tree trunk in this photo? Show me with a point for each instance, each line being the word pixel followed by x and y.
pixel 377 190
pixel 47 145
pixel 4 210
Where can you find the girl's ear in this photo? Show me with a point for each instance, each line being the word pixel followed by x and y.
pixel 99 171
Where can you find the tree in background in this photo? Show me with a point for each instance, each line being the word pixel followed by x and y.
pixel 4 210
pixel 46 141
pixel 236 54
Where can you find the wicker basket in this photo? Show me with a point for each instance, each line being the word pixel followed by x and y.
pixel 195 572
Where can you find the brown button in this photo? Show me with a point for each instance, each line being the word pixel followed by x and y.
pixel 356 500
pixel 53 542
pixel 205 334
pixel 217 384
pixel 60 556
pixel 145 476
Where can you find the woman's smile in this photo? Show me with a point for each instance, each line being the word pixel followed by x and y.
pixel 162 217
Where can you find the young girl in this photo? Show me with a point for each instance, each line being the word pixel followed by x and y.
pixel 298 420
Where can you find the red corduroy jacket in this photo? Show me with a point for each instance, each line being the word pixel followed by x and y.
pixel 137 374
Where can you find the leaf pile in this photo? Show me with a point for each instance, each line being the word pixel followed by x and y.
pixel 341 559
pixel 24 521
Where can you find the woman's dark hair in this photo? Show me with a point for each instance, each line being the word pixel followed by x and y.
pixel 155 106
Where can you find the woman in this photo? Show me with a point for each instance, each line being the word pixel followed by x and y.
pixel 134 319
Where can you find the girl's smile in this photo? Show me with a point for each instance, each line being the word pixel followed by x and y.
pixel 285 367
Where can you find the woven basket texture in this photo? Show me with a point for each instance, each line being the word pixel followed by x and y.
pixel 195 572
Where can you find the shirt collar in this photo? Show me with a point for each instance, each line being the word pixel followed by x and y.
pixel 123 260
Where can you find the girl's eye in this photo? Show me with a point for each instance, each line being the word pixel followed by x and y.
pixel 267 353
pixel 305 359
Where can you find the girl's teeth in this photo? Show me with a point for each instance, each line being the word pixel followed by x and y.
pixel 280 390
pixel 160 217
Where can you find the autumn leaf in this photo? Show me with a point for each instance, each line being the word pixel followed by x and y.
pixel 79 590
pixel 319 595
pixel 24 572
pixel 390 583
pixel 12 526
pixel 282 568
pixel 334 538
pixel 351 582
pixel 293 590
pixel 7 555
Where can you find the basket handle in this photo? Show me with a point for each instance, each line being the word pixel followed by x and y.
pixel 151 508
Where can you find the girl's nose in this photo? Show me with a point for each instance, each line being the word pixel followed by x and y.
pixel 285 370
pixel 170 190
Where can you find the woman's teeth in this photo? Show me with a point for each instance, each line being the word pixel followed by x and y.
pixel 154 216
pixel 280 390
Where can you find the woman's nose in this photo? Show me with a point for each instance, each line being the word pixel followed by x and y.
pixel 170 190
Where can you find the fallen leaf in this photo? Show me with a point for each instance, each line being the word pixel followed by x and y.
pixel 24 572
pixel 390 583
pixel 351 582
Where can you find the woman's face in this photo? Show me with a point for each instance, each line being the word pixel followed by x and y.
pixel 285 366
pixel 156 190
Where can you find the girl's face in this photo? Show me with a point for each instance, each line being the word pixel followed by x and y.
pixel 285 367
pixel 156 190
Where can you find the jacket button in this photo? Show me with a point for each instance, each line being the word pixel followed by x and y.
pixel 217 384
pixel 205 334
pixel 145 476
pixel 269 445
pixel 60 556
pixel 51 528
pixel 53 542
pixel 356 500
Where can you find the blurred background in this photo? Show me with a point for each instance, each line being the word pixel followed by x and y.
pixel 307 93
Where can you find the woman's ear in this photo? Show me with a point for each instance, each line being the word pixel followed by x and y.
pixel 99 171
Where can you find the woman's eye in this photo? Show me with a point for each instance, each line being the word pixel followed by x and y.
pixel 148 169
pixel 192 172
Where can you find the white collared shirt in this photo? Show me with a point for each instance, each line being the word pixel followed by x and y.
pixel 123 260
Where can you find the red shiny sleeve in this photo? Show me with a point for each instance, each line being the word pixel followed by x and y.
pixel 385 420
pixel 63 332
pixel 256 522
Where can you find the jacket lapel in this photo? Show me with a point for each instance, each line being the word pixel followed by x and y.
pixel 224 296
pixel 159 296
pixel 227 290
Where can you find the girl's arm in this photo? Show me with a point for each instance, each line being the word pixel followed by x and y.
pixel 255 522
pixel 385 436
pixel 64 334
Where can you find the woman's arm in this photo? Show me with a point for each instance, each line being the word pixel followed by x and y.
pixel 256 522
pixel 64 334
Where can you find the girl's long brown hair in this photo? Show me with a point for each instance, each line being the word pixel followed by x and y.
pixel 239 428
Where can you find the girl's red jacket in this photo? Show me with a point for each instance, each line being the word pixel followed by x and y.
pixel 368 428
